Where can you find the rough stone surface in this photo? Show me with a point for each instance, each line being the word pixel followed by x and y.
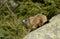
pixel 47 31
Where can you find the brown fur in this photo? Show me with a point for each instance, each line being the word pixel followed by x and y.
pixel 35 21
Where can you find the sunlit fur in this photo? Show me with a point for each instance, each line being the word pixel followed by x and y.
pixel 35 21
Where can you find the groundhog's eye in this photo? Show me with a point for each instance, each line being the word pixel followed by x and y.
pixel 27 20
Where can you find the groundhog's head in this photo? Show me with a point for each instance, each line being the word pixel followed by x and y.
pixel 27 21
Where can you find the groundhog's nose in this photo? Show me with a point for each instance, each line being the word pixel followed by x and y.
pixel 23 21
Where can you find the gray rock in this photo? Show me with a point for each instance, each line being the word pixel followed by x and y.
pixel 50 30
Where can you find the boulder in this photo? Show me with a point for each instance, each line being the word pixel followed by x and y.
pixel 50 30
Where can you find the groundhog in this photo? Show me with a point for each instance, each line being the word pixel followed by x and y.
pixel 35 21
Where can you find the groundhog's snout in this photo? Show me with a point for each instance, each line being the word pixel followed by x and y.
pixel 23 21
